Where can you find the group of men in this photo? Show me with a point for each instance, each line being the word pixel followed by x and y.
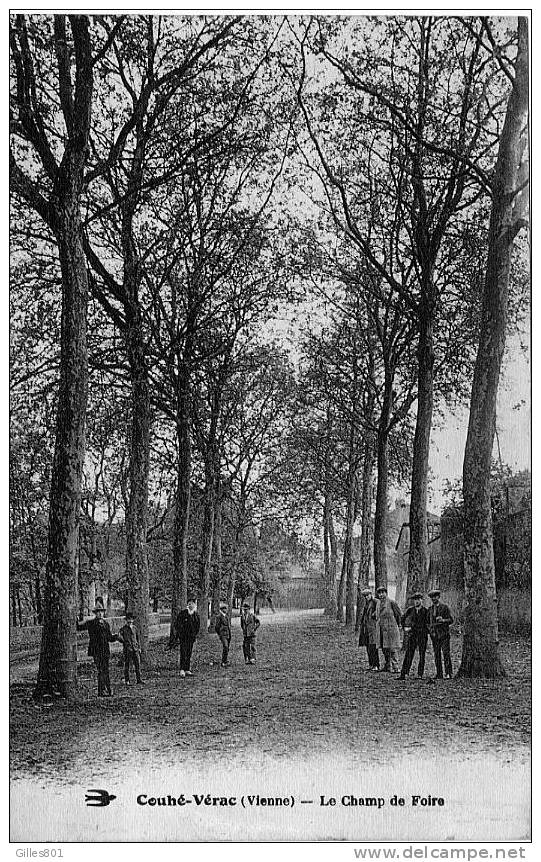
pixel 185 631
pixel 381 624
pixel 380 629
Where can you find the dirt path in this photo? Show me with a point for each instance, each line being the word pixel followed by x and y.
pixel 309 692
pixel 307 719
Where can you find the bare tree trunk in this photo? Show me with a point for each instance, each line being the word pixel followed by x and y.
pixel 480 652
pixel 212 472
pixel 19 608
pixel 137 578
pixel 13 605
pixel 233 576
pixel 207 541
pixel 57 673
pixel 183 499
pixel 350 569
pixel 366 511
pixel 418 549
pixel 37 588
pixel 217 564
pixel 380 517
pixel 330 567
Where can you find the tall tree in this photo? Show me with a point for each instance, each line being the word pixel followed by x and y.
pixel 480 656
pixel 428 136
pixel 150 79
pixel 60 157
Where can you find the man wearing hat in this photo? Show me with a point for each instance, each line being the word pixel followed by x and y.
pixel 131 649
pixel 415 625
pixel 249 624
pixel 222 627
pixel 186 629
pixel 99 637
pixel 388 622
pixel 439 620
pixel 367 635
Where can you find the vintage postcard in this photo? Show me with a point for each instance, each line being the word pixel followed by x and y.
pixel 270 438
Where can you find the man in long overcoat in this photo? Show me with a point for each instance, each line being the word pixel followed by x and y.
pixel 388 622
pixel 99 637
pixel 415 624
pixel 186 630
pixel 368 630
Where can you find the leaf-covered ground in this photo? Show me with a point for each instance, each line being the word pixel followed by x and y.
pixel 310 693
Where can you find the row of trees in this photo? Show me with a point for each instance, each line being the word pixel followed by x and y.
pixel 185 181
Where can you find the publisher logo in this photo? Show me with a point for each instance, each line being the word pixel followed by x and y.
pixel 99 799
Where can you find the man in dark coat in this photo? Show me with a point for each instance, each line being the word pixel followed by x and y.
pixel 99 637
pixel 186 629
pixel 439 621
pixel 131 649
pixel 415 625
pixel 249 624
pixel 368 635
pixel 222 628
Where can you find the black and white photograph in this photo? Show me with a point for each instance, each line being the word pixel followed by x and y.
pixel 270 488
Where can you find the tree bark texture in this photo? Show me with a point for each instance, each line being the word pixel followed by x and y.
pixel 58 657
pixel 183 495
pixel 418 525
pixel 330 557
pixel 366 511
pixel 212 470
pixel 380 517
pixel 216 564
pixel 205 559
pixel 137 577
pixel 350 567
pixel 480 653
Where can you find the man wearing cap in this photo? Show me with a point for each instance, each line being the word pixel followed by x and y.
pixel 415 625
pixel 367 635
pixel 249 624
pixel 131 649
pixel 439 620
pixel 99 637
pixel 186 630
pixel 388 621
pixel 222 627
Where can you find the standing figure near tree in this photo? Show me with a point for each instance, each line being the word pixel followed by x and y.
pixel 131 649
pixel 368 632
pixel 222 628
pixel 99 637
pixel 388 622
pixel 415 624
pixel 439 621
pixel 249 624
pixel 186 629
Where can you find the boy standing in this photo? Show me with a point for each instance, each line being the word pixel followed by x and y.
pixel 131 649
pixel 249 624
pixel 223 630
pixel 186 629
